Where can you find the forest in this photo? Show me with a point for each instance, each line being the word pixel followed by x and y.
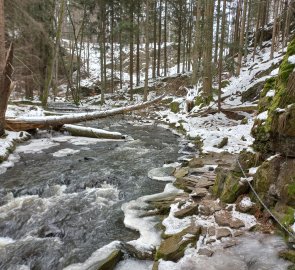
pixel 147 135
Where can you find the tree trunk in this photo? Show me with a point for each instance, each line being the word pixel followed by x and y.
pixel 274 31
pixel 131 34
pixel 208 44
pixel 46 122
pixel 241 44
pixel 160 37
pixel 221 54
pixel 147 50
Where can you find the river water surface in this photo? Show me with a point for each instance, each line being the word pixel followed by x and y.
pixel 57 207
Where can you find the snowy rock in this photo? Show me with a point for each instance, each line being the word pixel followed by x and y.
pixel 245 205
pixel 172 248
pixel 222 232
pixel 187 211
pixel 225 218
pixel 162 174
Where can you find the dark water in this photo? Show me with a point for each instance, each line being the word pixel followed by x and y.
pixel 55 211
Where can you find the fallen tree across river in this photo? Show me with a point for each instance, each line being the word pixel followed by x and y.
pixel 56 122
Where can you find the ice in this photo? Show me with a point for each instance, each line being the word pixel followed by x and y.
pixel 36 146
pixel 65 152
pixel 132 264
pixel 95 258
pixel 5 241
pixel 162 174
pixel 150 237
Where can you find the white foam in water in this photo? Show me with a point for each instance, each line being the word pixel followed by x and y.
pixel 132 264
pixel 6 241
pixel 65 152
pixel 96 257
pixel 12 159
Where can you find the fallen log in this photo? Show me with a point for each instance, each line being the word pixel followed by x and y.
pixel 47 122
pixel 75 130
pixel 210 110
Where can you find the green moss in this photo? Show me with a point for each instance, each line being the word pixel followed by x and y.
pixel 174 106
pixel 291 188
pixel 288 255
pixel 289 217
pixel 225 83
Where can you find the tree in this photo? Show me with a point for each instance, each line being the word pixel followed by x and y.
pixel 5 71
pixel 147 50
pixel 208 44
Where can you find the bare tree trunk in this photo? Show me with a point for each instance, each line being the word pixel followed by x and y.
pixel 53 59
pixel 165 38
pixel 155 40
pixel 147 51
pixel 274 31
pixel 217 32
pixel 131 44
pixel 241 44
pixel 208 45
pixel 160 39
pixel 4 92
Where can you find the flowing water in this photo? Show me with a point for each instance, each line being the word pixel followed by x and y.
pixel 56 209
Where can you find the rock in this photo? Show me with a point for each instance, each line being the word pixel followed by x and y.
pixel 208 207
pixel 196 163
pixel 199 193
pixel 222 232
pixel 228 186
pixel 187 211
pixel 138 254
pixel 253 92
pixel 156 266
pixel 206 252
pixel 172 248
pixel 181 172
pixel 162 174
pixel 225 218
pixel 223 143
pixel 230 243
pixel 245 205
pixel 238 233
pixel 110 262
pixel 288 254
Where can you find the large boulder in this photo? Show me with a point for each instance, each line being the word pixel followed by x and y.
pixel 172 248
pixel 276 132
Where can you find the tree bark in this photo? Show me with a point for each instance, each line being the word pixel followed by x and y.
pixel 22 124
pixel 147 50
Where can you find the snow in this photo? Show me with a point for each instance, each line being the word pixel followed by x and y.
pixel 262 116
pixel 291 59
pixel 253 170
pixel 271 93
pixel 9 163
pixel 96 257
pixel 150 237
pixel 248 220
pixel 246 202
pixel 65 152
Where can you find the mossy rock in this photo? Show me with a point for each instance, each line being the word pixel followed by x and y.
pixel 233 188
pixel 172 248
pixel 266 175
pixel 276 134
pixel 111 261
pixel 175 106
pixel 247 160
pixel 228 186
pixel 288 255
